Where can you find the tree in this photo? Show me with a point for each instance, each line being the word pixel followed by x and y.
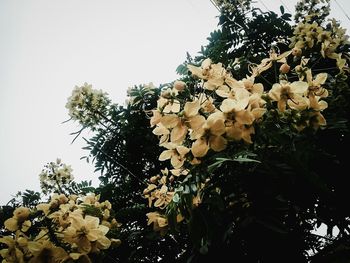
pixel 241 158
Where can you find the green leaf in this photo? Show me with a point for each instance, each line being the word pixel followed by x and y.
pixel 176 198
pixel 282 9
pixel 182 69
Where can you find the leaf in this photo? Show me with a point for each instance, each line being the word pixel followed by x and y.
pixel 245 159
pixel 240 159
pixel 176 198
pixel 286 17
pixel 282 9
pixel 182 69
pixel 193 187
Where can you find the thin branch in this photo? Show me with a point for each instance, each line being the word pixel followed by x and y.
pixel 121 165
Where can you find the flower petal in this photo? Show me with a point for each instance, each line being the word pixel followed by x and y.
pixel 217 143
pixel 165 155
pixel 199 148
pixel 191 108
pixel 170 121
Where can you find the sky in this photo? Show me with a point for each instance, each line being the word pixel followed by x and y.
pixel 48 47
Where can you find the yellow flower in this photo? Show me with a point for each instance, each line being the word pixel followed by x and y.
pixel 46 252
pixel 62 215
pixel 200 147
pixel 209 135
pixel 315 85
pixel 21 213
pixel 341 62
pixel 44 207
pixel 11 224
pixel 216 77
pixel 162 132
pixel 190 118
pixel 239 113
pixel 176 126
pixel 172 106
pixel 237 131
pixel 289 93
pixel 159 221
pixel 12 253
pixel 91 199
pixel 163 197
pixel 328 49
pixel 156 116
pixel 148 193
pixel 316 91
pixel 26 225
pixel 206 103
pixel 176 154
pixel 267 63
pixel 83 231
pixel 202 71
pixel 214 74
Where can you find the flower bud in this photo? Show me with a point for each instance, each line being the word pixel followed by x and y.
pixel 284 68
pixel 179 85
pixel 153 179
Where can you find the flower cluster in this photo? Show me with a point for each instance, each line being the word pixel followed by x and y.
pixel 54 176
pixel 224 111
pixel 87 105
pixel 213 110
pixel 232 5
pixel 66 229
pixel 308 35
pixel 312 9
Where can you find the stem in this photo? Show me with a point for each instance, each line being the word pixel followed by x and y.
pixel 318 60
pixel 275 69
pixel 58 185
pixel 56 180
pixel 122 166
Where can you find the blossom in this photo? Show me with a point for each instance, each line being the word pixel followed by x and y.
pixel 45 252
pixel 209 136
pixel 214 74
pixel 159 222
pixel 87 105
pixel 54 176
pixel 82 231
pixel 290 94
pixel 18 220
pixel 61 217
pixel 267 63
pixel 176 154
pixel 13 252
pixel 163 196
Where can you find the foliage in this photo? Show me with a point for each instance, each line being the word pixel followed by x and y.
pixel 70 226
pixel 240 158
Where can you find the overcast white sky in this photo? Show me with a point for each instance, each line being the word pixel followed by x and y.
pixel 48 47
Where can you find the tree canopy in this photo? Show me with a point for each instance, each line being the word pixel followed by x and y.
pixel 241 158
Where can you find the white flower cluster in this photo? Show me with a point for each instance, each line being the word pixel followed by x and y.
pixel 231 5
pixel 87 105
pixel 54 176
